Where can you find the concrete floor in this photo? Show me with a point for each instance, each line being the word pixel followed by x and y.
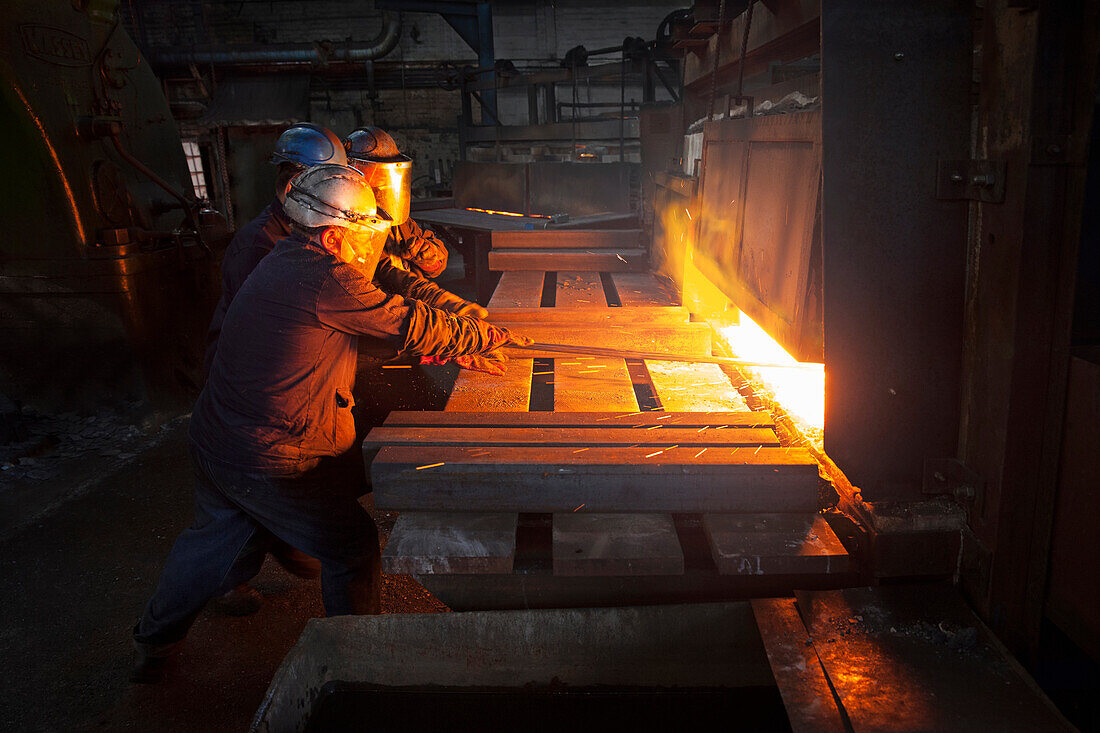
pixel 76 581
pixel 81 549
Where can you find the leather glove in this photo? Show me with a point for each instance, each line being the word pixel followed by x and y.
pixel 422 249
pixel 454 304
pixel 425 254
pixel 491 360
pixel 491 363
pixel 500 336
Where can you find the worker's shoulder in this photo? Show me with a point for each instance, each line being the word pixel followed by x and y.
pixel 350 280
pixel 262 232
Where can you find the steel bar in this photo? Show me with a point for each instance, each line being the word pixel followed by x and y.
pixel 654 356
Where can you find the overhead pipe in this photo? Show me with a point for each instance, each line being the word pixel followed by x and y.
pixel 286 53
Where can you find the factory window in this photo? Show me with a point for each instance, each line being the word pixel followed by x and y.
pixel 194 165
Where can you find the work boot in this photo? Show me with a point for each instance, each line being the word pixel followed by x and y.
pixel 244 600
pixel 151 662
pixel 295 561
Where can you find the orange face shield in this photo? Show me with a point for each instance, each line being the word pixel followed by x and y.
pixel 392 186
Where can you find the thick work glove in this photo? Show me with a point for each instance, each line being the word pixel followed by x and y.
pixel 491 363
pixel 420 249
pixel 491 360
pixel 391 278
pixel 451 303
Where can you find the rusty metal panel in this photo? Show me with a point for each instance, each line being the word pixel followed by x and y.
pixel 672 199
pixel 781 185
pixel 582 189
pixel 758 228
pixel 719 241
pixel 496 186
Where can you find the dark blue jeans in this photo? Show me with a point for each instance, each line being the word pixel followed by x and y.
pixel 236 514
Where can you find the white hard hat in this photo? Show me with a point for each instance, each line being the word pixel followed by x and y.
pixel 333 195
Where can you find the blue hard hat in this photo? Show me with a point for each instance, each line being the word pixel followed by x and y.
pixel 305 144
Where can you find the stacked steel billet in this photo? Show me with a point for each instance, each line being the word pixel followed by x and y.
pixel 614 481
pixel 607 250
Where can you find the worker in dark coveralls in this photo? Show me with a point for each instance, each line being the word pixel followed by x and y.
pixel 303 145
pixel 275 413
pixel 300 146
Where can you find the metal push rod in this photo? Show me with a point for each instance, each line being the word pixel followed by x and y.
pixel 652 356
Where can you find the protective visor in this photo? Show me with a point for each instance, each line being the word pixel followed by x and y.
pixel 392 186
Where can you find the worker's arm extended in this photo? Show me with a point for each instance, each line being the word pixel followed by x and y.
pixel 351 303
pixel 409 285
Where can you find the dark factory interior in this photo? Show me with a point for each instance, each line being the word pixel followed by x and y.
pixel 550 365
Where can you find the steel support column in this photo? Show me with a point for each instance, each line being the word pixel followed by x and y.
pixel 896 80
pixel 474 23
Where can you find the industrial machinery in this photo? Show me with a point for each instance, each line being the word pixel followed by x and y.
pixel 108 270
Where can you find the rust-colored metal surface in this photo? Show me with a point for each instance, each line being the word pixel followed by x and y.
pixel 616 544
pixel 490 436
pixel 458 542
pixel 581 189
pixel 496 186
pixel 692 387
pixel 601 260
pixel 664 647
pixel 676 478
pixel 693 420
pixel 475 391
pixel 592 383
pixel 755 544
pixel 916 658
pixel 565 238
pixel 518 289
pixel 758 223
pixel 807 696
pixel 635 341
pixel 596 314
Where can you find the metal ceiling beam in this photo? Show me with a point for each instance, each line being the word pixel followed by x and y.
pixel 474 24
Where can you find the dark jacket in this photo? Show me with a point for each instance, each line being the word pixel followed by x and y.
pixel 254 240
pixel 278 396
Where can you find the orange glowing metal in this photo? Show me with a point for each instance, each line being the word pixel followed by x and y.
pixel 508 213
pixel 800 390
pixel 57 163
pixel 798 386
